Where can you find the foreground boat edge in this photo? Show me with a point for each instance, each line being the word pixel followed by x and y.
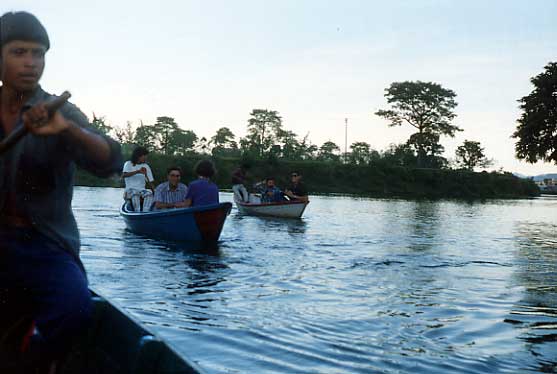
pixel 117 343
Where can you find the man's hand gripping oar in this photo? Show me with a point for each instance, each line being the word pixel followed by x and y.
pixel 42 119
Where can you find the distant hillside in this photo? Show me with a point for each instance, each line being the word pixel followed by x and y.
pixel 541 177
pixel 537 178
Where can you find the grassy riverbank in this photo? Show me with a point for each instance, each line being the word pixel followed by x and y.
pixel 369 180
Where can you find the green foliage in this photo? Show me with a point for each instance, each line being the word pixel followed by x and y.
pixel 181 142
pixel 378 179
pixel 125 135
pixel 223 143
pixel 163 130
pixel 145 136
pixel 471 155
pixel 537 125
pixel 263 128
pixel 100 124
pixel 329 151
pixel 360 153
pixel 426 106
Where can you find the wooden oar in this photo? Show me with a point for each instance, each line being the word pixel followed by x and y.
pixel 18 133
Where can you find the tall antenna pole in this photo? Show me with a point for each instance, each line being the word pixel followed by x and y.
pixel 345 140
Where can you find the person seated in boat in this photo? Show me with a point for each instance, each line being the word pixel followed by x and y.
pixel 238 180
pixel 297 190
pixel 271 193
pixel 203 191
pixel 135 172
pixel 45 302
pixel 172 193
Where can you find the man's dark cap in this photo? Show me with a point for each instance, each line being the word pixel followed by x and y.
pixel 22 26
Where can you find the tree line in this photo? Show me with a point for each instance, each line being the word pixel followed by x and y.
pixel 426 106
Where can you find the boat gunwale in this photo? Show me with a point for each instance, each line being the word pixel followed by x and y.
pixel 277 203
pixel 174 211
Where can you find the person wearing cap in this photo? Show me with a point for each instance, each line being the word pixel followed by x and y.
pixel 43 285
pixel 296 190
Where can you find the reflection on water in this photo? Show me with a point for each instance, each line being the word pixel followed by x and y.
pixel 356 286
pixel 535 314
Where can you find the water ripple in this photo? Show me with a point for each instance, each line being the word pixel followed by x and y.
pixel 357 286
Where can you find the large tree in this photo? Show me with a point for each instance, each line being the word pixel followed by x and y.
pixel 145 136
pixel 329 151
pixel 426 106
pixel 262 127
pixel 289 145
pixel 361 153
pixel 537 125
pixel 181 141
pixel 471 155
pixel 223 138
pixel 165 128
pixel 432 150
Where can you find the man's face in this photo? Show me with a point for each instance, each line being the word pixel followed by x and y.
pixel 295 177
pixel 270 183
pixel 22 65
pixel 174 177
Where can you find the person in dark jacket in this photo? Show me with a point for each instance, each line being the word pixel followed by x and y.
pixel 297 190
pixel 238 183
pixel 44 295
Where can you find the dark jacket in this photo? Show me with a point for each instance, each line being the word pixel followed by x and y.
pixel 40 169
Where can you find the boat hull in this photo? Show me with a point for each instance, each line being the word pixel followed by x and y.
pixel 184 224
pixel 286 209
pixel 116 343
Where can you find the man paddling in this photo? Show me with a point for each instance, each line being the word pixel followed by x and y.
pixel 41 276
pixel 297 190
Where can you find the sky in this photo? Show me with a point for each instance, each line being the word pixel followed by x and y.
pixel 208 63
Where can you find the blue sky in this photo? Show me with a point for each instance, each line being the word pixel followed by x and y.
pixel 209 63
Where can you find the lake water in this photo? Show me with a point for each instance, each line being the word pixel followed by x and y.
pixel 356 286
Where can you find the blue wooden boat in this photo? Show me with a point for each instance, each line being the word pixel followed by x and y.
pixel 197 224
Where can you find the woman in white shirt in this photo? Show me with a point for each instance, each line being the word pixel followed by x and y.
pixel 135 173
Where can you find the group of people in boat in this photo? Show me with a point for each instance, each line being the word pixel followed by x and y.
pixel 173 193
pixel 143 196
pixel 267 190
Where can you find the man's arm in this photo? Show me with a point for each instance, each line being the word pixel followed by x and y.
pixel 161 205
pixel 37 122
pixel 132 173
pixel 291 195
pixel 97 153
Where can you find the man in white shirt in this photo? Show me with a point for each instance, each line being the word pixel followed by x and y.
pixel 135 173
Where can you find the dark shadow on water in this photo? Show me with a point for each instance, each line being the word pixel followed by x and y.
pixel 294 226
pixel 536 313
pixel 424 225
pixel 133 240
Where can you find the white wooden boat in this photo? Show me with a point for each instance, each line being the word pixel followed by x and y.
pixel 283 209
